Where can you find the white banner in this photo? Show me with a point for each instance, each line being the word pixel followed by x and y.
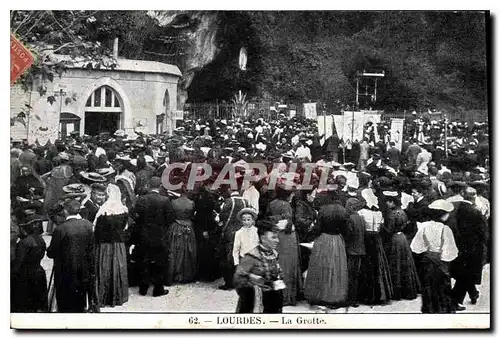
pixel 44 125
pixel 310 111
pixel 328 131
pixel 397 132
pixel 339 125
pixel 353 126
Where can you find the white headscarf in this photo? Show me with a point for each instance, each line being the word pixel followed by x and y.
pixel 112 206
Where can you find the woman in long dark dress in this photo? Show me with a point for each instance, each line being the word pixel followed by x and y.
pixel 303 219
pixel 435 241
pixel 258 277
pixel 111 255
pixel 404 277
pixel 27 191
pixel 60 176
pixel 206 235
pixel 326 281
pixel 375 277
pixel 29 281
pixel 182 251
pixel 280 210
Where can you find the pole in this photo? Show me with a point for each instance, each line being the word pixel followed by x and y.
pixel 357 91
pixel 352 128
pixel 446 135
pixel 60 110
pixel 29 111
pixel 324 122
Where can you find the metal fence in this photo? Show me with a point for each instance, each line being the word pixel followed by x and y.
pixel 263 110
pixel 229 111
pixel 466 116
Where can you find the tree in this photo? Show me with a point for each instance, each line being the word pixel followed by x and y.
pixel 57 32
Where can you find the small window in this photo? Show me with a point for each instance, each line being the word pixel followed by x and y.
pixel 89 102
pixel 97 98
pixel 117 103
pixel 108 98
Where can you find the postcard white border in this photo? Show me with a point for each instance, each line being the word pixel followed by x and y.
pixel 181 321
pixel 254 321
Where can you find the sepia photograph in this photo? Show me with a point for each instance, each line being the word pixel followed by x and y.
pixel 228 169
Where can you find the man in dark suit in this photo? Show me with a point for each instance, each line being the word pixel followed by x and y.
pixel 355 249
pixel 91 205
pixel 417 210
pixel 72 248
pixel 154 214
pixel 470 237
pixel 331 146
pixel 393 156
pixel 438 154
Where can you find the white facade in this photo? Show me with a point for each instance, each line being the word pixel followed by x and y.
pixel 143 90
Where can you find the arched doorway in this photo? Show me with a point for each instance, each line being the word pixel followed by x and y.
pixel 69 122
pixel 103 111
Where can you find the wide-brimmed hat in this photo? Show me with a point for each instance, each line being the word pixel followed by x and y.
pixel 442 205
pixel 30 217
pixel 92 176
pixel 78 189
pixel 77 148
pixel 352 191
pixel 106 171
pixel 63 156
pixel 247 210
pixel 288 154
pixel 120 133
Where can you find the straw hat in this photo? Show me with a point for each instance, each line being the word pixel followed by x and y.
pixel 92 176
pixel 442 205
pixel 247 210
pixel 76 189
pixel 30 218
pixel 120 133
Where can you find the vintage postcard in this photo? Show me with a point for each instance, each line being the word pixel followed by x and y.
pixel 203 169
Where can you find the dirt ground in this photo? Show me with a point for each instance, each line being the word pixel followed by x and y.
pixel 205 297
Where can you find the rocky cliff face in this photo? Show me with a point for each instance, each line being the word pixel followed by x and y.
pixel 198 31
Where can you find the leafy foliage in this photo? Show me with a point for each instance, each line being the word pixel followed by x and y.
pixel 240 104
pixel 431 59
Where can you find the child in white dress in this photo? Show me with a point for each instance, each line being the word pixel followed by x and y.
pixel 246 238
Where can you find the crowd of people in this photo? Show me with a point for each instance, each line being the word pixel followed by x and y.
pixel 388 223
